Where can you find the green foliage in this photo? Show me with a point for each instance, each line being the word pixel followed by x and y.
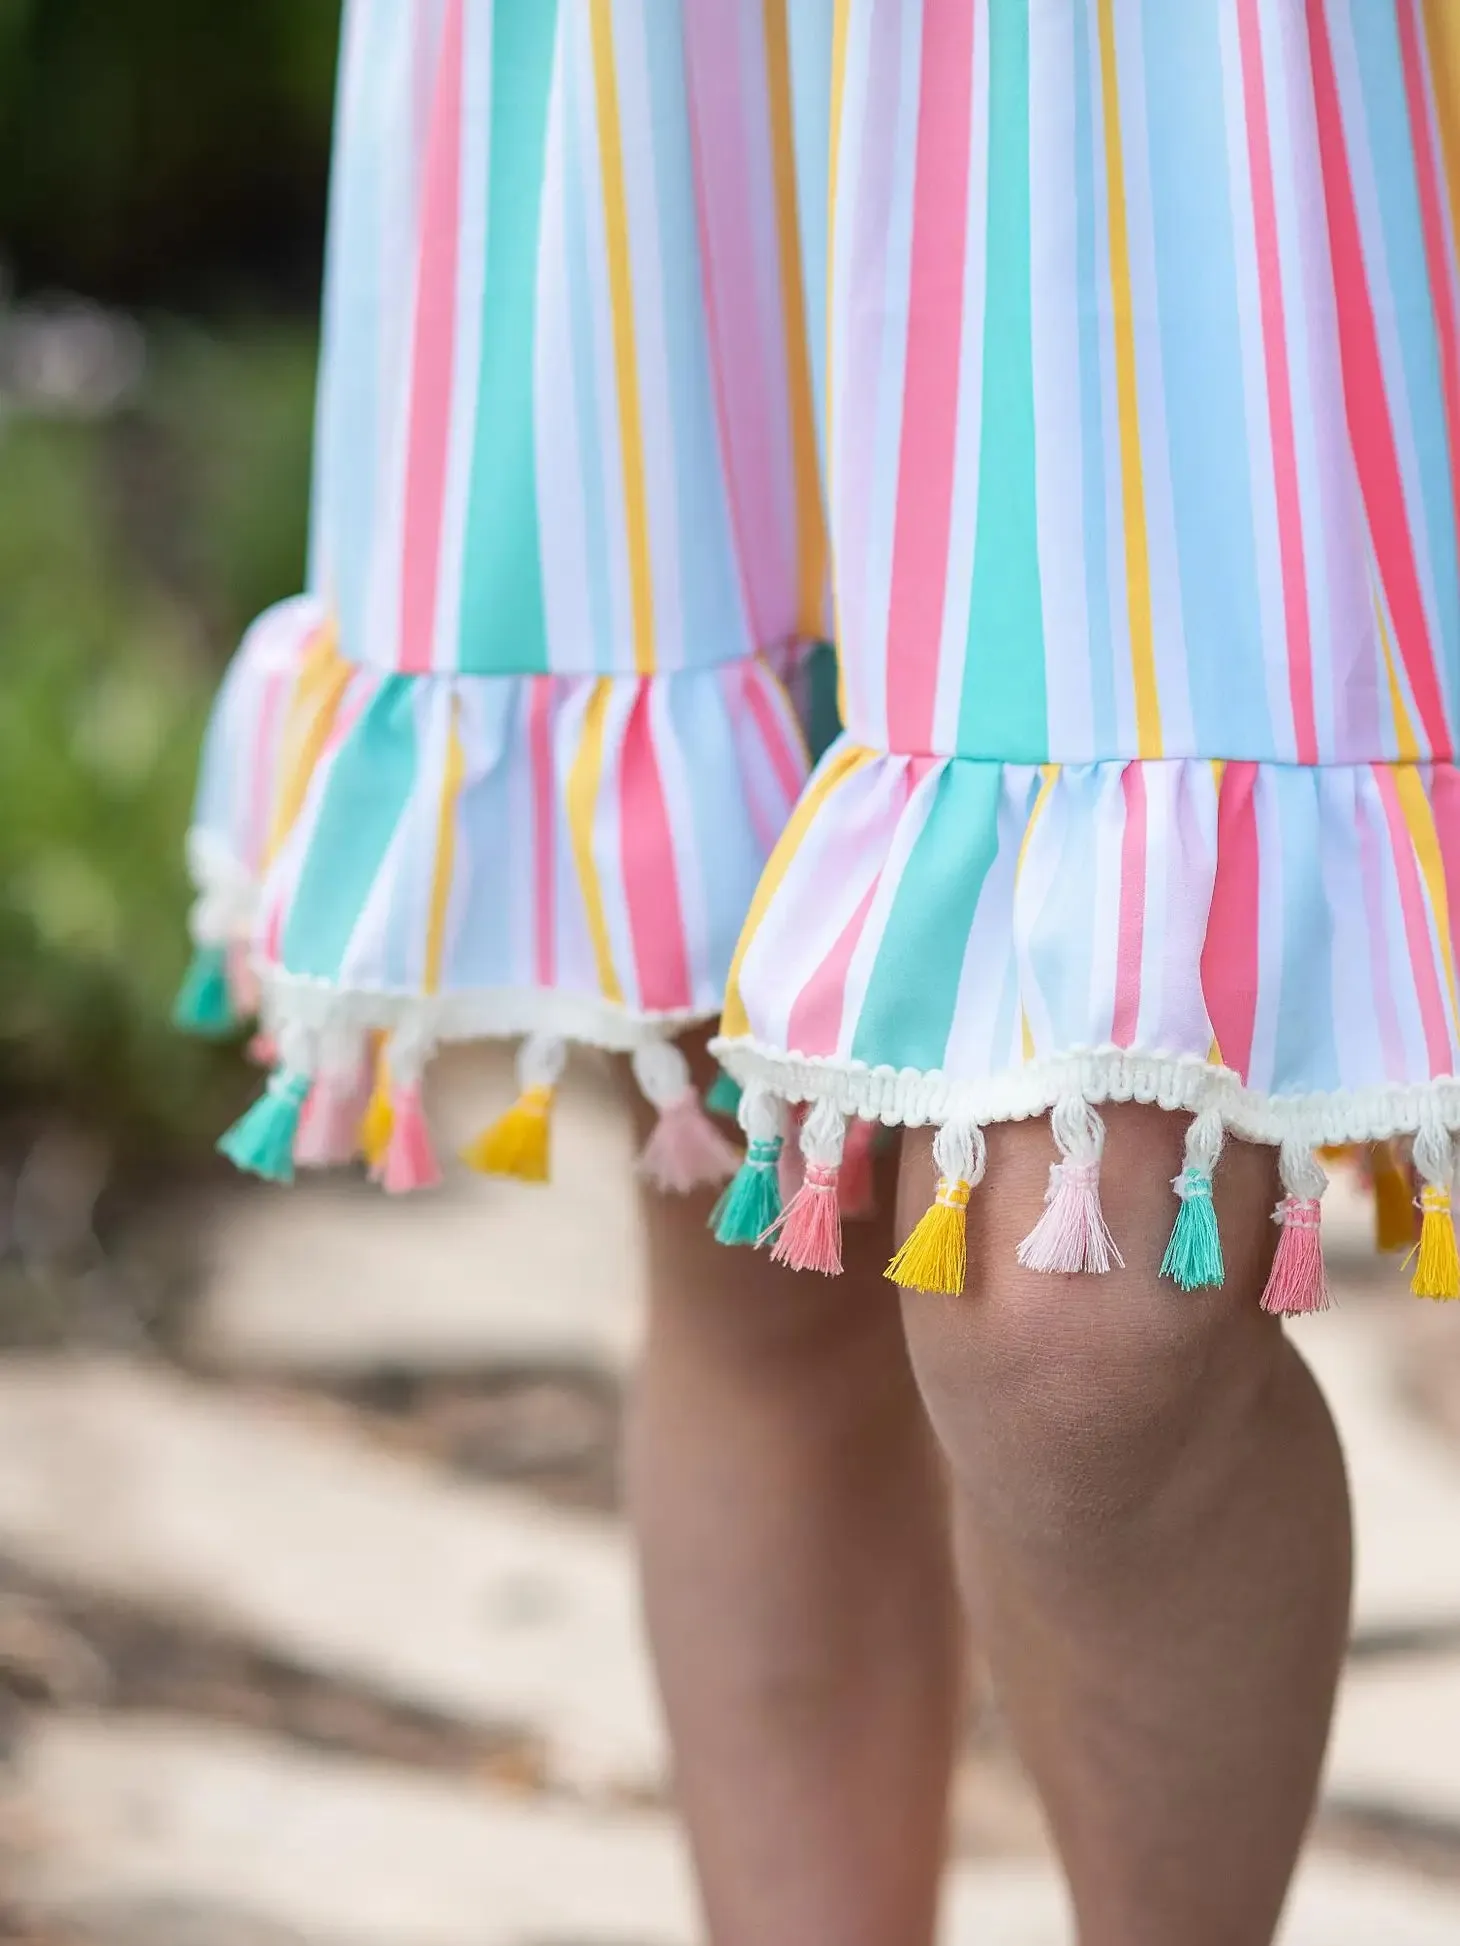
pixel 131 555
pixel 165 150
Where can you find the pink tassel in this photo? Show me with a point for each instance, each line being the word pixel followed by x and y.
pixel 329 1128
pixel 808 1232
pixel 1072 1235
pixel 263 1051
pixel 1297 1286
pixel 686 1150
pixel 410 1161
pixel 858 1189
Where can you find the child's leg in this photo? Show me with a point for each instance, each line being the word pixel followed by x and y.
pixel 792 1520
pixel 1152 1498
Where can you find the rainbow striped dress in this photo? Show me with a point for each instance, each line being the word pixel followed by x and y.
pixel 1103 357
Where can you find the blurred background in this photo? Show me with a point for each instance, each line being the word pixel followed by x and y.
pixel 317 1619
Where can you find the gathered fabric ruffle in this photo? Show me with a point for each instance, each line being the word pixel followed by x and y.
pixel 385 862
pixel 1265 948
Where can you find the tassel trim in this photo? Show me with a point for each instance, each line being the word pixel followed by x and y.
pixel 935 1256
pixel 807 1235
pixel 1072 1236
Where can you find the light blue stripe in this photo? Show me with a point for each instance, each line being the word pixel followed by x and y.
pixel 485 950
pixel 1201 352
pixel 907 1014
pixel 578 117
pixel 350 463
pixel 729 856
pixel 1402 286
pixel 1104 721
pixel 369 786
pixel 810 25
pixel 1066 920
pixel 1304 1055
pixel 715 626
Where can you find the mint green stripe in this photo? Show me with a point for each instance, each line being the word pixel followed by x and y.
pixel 1002 713
pixel 368 787
pixel 503 623
pixel 907 1014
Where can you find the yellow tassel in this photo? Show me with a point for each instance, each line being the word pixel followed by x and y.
pixel 517 1145
pixel 1437 1274
pixel 378 1119
pixel 1393 1201
pixel 1335 1155
pixel 935 1256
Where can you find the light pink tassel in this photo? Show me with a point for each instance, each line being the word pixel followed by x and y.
pixel 1298 1284
pixel 263 1050
pixel 808 1233
pixel 329 1128
pixel 410 1161
pixel 1072 1234
pixel 858 1193
pixel 686 1150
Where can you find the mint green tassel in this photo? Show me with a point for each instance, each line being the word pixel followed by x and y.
pixel 204 1005
pixel 724 1096
pixel 262 1143
pixel 752 1202
pixel 1193 1257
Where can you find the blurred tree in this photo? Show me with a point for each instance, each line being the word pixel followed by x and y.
pixel 166 151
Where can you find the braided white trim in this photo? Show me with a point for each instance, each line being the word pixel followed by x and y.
pixel 1182 1083
pixel 495 1013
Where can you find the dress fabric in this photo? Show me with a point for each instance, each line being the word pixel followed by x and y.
pixel 1090 371
pixel 1145 444
pixel 516 759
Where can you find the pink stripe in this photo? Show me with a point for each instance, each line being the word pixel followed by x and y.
pixel 544 826
pixel 787 758
pixel 1376 924
pixel 1229 960
pixel 1374 446
pixel 733 257
pixel 1279 390
pixel 1418 937
pixel 263 770
pixel 934 356
pixel 430 422
pixel 651 881
pixel 816 1018
pixel 1437 254
pixel 1131 938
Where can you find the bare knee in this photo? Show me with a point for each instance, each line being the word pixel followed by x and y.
pixel 1077 1398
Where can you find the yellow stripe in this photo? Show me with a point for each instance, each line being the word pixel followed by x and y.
pixel 1419 817
pixel 625 351
pixel 811 547
pixel 840 26
pixel 451 782
pixel 1049 775
pixel 314 702
pixel 1137 544
pixel 838 768
pixel 584 780
pixel 1405 741
pixel 1442 33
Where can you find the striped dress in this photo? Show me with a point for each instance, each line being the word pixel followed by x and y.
pixel 1091 370
pixel 514 764
pixel 1144 480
